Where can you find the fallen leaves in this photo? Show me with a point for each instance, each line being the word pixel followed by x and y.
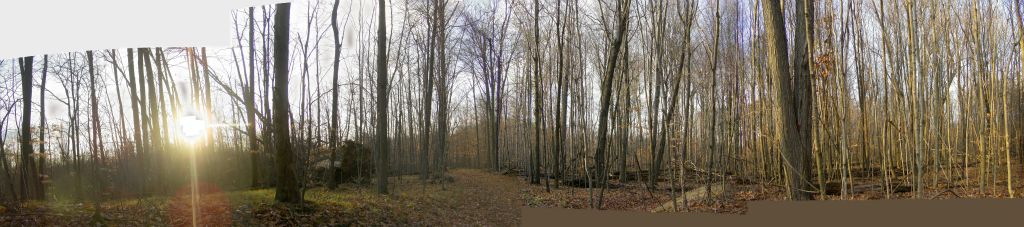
pixel 212 207
pixel 474 197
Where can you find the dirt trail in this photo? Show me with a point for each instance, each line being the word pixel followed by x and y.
pixel 487 199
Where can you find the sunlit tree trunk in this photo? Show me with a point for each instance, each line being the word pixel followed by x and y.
pixel 796 120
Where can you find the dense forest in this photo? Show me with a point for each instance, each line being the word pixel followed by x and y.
pixel 682 102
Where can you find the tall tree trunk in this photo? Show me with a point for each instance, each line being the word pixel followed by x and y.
pixel 8 180
pixel 381 142
pixel 559 146
pixel 538 106
pixel 210 133
pixel 136 120
pixel 250 104
pixel 428 88
pixel 42 128
pixel 287 186
pixel 122 148
pixel 441 44
pixel 156 139
pixel 268 132
pixel 795 121
pixel 714 100
pixel 622 11
pixel 1020 61
pixel 690 10
pixel 670 116
pixel 30 177
pixel 798 129
pixel 97 132
pixel 332 177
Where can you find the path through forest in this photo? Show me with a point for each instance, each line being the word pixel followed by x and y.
pixel 480 198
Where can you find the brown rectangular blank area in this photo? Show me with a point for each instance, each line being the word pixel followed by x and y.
pixel 954 212
pixel 591 218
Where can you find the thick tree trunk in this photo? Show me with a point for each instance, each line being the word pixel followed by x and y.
pixel 795 104
pixel 714 109
pixel 799 130
pixel 287 185
pixel 30 176
pixel 381 142
pixel 443 124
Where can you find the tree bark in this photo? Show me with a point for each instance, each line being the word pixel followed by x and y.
pixel 250 104
pixel 622 10
pixel 287 186
pixel 332 176
pixel 796 121
pixel 42 128
pixel 443 93
pixel 380 147
pixel 97 132
pixel 30 176
pixel 538 106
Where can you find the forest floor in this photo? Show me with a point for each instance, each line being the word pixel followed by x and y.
pixel 472 197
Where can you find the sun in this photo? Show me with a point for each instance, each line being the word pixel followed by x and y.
pixel 191 128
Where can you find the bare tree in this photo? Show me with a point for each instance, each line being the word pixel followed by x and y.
pixel 381 146
pixel 30 175
pixel 793 99
pixel 622 13
pixel 42 128
pixel 333 131
pixel 287 185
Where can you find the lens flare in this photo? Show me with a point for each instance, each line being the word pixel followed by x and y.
pixel 192 128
